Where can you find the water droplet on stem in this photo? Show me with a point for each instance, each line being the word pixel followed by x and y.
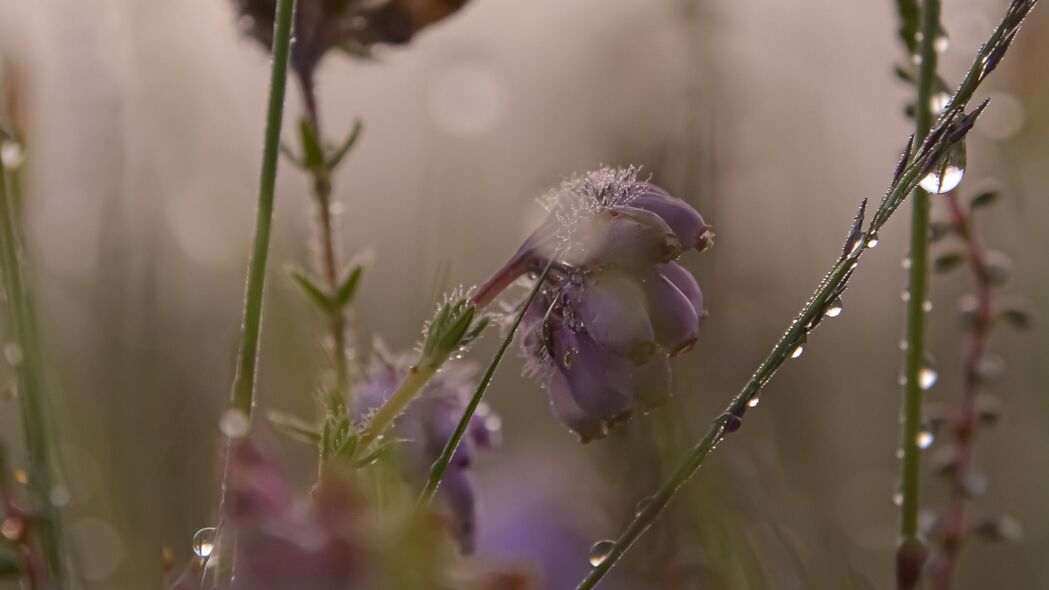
pixel 204 542
pixel 600 552
pixel 948 173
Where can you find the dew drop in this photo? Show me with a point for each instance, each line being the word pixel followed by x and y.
pixel 899 453
pixel 753 402
pixel 12 154
pixel 642 504
pixel 21 476
pixel 12 528
pixel 834 309
pixel 60 496
pixel 927 378
pixel 927 306
pixel 906 263
pixel 234 423
pixel 925 439
pixel 938 103
pixel 897 499
pixel 568 358
pixel 872 241
pixel 493 423
pixel 941 43
pixel 905 296
pixel 798 351
pixel 13 354
pixel 600 551
pixel 204 542
pixel 947 174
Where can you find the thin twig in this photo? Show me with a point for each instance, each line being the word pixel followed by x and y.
pixel 964 421
pixel 322 194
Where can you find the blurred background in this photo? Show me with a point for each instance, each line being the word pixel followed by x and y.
pixel 144 121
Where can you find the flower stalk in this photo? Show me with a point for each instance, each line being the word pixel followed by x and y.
pixel 908 570
pixel 951 128
pixel 964 422
pixel 243 397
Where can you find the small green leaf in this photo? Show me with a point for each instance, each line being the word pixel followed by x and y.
pixel 313 291
pixel 983 199
pixel 337 156
pixel 346 291
pixel 312 153
pixel 905 72
pixel 1016 315
pixel 947 262
pixel 294 427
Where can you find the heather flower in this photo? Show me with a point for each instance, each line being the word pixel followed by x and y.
pixel 428 424
pixel 615 305
pixel 355 26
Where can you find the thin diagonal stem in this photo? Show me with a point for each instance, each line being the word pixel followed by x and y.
pixel 904 181
pixel 32 389
pixel 439 467
pixel 918 285
pixel 244 384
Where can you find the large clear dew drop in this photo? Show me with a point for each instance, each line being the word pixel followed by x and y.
pixel 600 552
pixel 948 173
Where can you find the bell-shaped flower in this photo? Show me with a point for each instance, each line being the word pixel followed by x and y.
pixel 615 305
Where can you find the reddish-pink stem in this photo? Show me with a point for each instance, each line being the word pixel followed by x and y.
pixel 963 421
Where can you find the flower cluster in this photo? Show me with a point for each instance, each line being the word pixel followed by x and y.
pixel 615 305
pixel 355 26
pixel 427 425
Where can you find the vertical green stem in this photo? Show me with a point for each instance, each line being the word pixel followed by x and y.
pixel 918 285
pixel 32 388
pixel 244 383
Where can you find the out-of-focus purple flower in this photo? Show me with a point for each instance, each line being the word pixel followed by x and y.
pixel 332 540
pixel 428 424
pixel 615 306
pixel 355 26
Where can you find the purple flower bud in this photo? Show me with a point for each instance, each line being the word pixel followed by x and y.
pixel 674 318
pixel 624 237
pixel 607 305
pixel 685 221
pixel 427 425
pixel 615 305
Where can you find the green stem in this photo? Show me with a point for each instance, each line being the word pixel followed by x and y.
pixel 244 383
pixel 918 292
pixel 902 184
pixel 32 388
pixel 441 465
pixel 385 416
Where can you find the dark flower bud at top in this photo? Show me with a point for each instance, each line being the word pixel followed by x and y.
pixel 355 26
pixel 615 305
